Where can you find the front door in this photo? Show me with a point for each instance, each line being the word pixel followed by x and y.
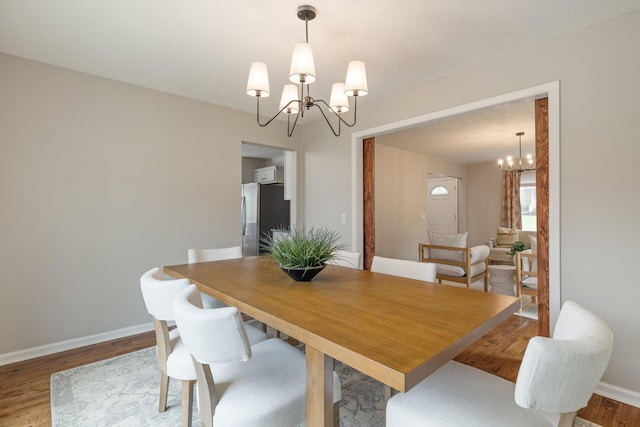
pixel 443 205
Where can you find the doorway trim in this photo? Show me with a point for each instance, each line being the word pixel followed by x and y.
pixel 550 90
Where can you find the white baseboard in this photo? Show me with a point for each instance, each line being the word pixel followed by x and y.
pixel 626 396
pixel 44 350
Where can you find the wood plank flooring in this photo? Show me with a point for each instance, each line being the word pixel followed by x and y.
pixel 24 386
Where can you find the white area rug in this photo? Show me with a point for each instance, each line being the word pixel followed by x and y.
pixel 123 391
pixel 529 309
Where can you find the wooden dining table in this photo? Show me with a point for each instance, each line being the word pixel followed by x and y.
pixel 393 329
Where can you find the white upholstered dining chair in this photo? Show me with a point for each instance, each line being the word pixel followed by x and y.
pixel 404 268
pixel 346 259
pixel 213 254
pixel 173 357
pixel 557 377
pixel 174 360
pixel 263 385
pixel 216 254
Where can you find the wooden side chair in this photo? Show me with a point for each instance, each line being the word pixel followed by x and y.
pixel 557 378
pixel 457 264
pixel 241 385
pixel 526 276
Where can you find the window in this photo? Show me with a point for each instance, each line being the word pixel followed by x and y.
pixel 528 200
pixel 439 190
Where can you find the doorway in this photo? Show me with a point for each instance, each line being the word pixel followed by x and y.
pixel 443 205
pixel 256 156
pixel 550 91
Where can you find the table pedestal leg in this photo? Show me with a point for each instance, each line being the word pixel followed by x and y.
pixel 319 388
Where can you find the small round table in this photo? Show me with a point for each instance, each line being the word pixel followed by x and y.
pixel 502 279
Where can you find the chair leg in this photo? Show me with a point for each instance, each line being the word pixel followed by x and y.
pixel 567 419
pixel 164 392
pixel 388 393
pixel 187 402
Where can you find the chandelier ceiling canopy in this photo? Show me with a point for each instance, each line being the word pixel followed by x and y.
pixel 296 96
pixel 520 164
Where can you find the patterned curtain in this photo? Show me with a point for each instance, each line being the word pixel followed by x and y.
pixel 511 200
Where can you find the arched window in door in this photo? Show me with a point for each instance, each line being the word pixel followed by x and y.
pixel 439 190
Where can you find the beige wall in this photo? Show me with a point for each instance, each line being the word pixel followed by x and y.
pixel 99 182
pixel 484 201
pixel 599 93
pixel 401 198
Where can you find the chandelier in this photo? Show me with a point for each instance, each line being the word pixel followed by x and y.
pixel 522 164
pixel 296 96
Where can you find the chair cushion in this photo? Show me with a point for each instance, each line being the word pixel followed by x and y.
pixel 530 282
pixel 210 302
pixel 456 240
pixel 179 364
pixel 268 390
pixel 452 270
pixel 459 395
pixel 254 334
pixel 478 253
pixel 507 237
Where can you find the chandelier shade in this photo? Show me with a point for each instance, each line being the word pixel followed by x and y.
pixel 289 100
pixel 258 83
pixel 296 97
pixel 356 82
pixel 339 102
pixel 303 69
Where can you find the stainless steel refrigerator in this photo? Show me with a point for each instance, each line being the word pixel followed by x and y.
pixel 263 208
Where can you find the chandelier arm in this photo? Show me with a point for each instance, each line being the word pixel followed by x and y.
pixel 290 130
pixel 339 116
pixel 327 119
pixel 278 113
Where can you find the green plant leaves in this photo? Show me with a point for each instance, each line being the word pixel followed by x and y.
pixel 301 248
pixel 518 247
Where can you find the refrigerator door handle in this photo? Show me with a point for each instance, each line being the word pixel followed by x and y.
pixel 243 208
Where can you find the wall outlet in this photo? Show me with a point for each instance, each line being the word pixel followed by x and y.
pixel 344 219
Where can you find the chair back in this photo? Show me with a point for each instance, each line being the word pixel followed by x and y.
pixel 346 259
pixel 158 293
pixel 560 374
pixel 404 268
pixel 206 255
pixel 211 335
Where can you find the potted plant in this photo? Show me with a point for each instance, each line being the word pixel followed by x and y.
pixel 517 247
pixel 302 253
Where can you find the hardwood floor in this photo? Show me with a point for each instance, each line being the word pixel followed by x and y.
pixel 24 386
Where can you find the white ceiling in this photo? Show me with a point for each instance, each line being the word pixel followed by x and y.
pixel 477 137
pixel 202 49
